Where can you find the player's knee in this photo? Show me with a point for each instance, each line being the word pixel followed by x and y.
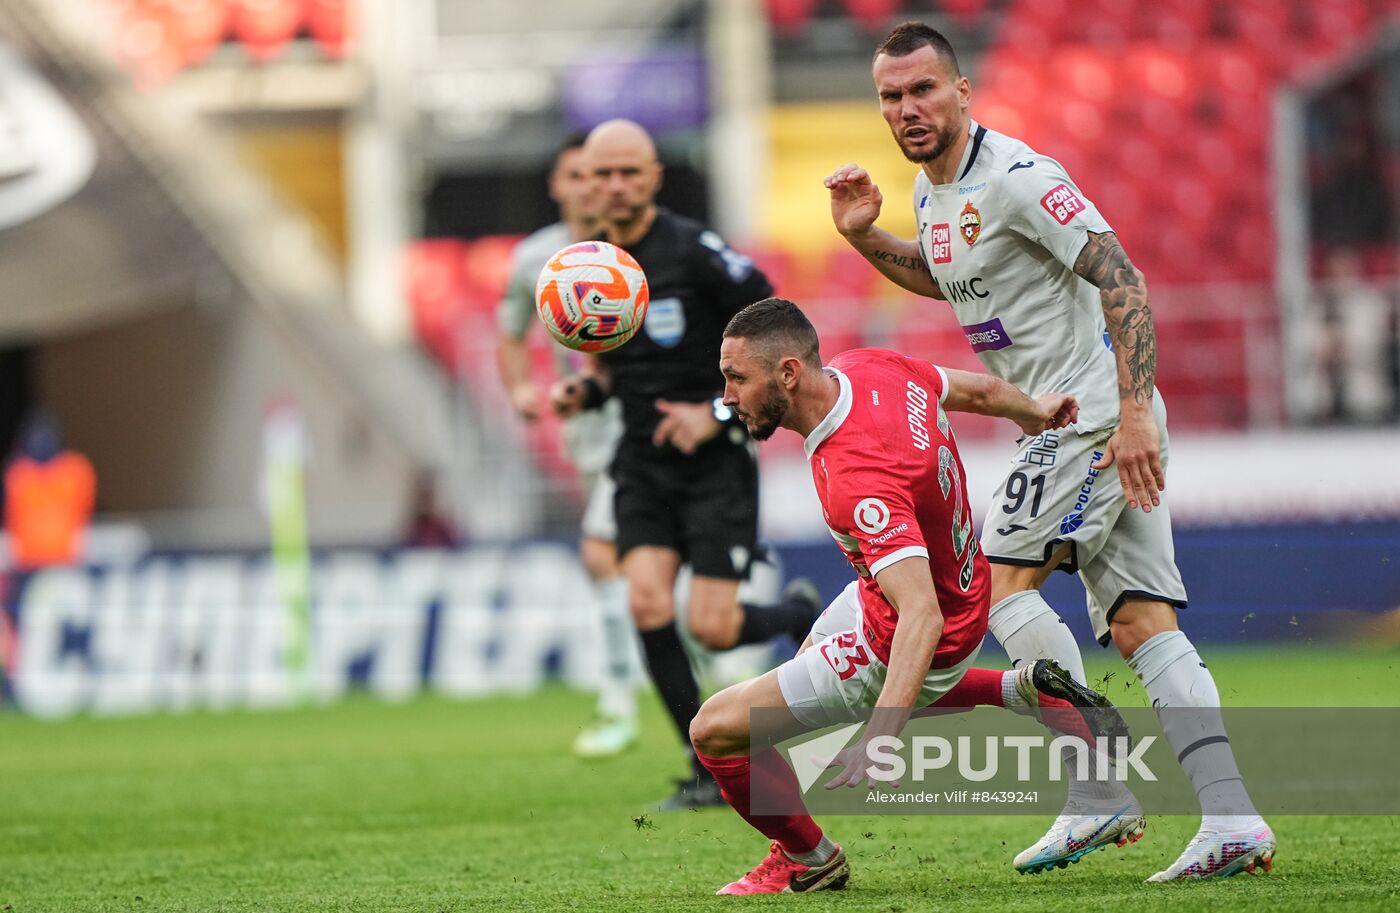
pixel 712 732
pixel 651 606
pixel 712 630
pixel 1138 621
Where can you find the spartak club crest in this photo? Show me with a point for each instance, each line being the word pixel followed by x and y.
pixel 970 223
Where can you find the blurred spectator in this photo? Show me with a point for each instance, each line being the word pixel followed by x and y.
pixel 49 498
pixel 1354 345
pixel 428 526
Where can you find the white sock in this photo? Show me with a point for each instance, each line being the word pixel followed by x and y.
pixel 1028 630
pixel 817 855
pixel 1184 695
pixel 1100 794
pixel 617 696
pixel 1011 698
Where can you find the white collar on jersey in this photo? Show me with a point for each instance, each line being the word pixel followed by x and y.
pixel 834 418
pixel 968 151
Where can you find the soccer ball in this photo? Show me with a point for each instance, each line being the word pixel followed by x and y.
pixel 592 296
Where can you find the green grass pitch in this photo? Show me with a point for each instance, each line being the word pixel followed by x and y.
pixel 435 805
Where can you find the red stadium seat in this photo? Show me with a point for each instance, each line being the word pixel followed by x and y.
pixel 436 294
pixel 790 17
pixel 199 26
pixel 1085 72
pixel 1081 122
pixel 1139 158
pixel 966 13
pixel 329 23
pixel 999 112
pixel 1106 34
pixel 146 46
pixel 847 275
pixel 873 15
pixel 1157 72
pixel 266 27
pixel 486 266
pixel 777 264
pixel 1024 34
pixel 1119 201
pixel 1012 77
pixel 1264 28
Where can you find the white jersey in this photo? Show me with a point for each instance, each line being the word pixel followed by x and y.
pixel 590 437
pixel 1002 240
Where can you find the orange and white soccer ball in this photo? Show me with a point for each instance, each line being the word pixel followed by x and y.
pixel 592 296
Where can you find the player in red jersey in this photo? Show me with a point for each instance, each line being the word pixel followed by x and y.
pixel 906 633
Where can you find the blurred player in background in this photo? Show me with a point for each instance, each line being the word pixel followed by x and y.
pixel 686 471
pixel 590 439
pixel 906 633
pixel 1050 301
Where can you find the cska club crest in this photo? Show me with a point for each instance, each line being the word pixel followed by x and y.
pixel 969 223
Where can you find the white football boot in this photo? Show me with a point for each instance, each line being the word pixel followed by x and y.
pixel 1074 836
pixel 1220 854
pixel 606 737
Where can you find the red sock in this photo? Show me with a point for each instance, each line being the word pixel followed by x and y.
pixel 977 688
pixel 768 772
pixel 982 688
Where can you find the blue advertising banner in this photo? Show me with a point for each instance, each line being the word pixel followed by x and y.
pixel 173 632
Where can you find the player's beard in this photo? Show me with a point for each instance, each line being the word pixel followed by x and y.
pixel 624 216
pixel 942 140
pixel 771 412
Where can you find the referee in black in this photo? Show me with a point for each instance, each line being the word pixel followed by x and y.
pixel 686 470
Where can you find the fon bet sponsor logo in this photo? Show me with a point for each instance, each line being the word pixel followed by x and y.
pixel 1062 203
pixel 941 242
pixel 872 516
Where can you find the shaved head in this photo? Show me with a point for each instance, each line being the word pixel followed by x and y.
pixel 621 136
pixel 621 157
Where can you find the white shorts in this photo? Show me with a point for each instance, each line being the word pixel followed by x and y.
pixel 1052 495
pixel 839 677
pixel 599 519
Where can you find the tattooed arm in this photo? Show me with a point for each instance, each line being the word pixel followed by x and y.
pixel 1135 446
pixel 899 260
pixel 855 205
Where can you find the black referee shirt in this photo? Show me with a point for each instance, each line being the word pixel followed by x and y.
pixel 697 283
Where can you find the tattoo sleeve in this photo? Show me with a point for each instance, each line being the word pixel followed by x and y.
pixel 911 263
pixel 1123 292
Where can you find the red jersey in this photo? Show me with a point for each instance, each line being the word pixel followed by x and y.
pixel 892 486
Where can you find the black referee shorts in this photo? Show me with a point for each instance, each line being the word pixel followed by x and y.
pixel 705 507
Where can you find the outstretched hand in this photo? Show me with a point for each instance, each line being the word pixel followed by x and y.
pixel 566 396
pixel 1136 448
pixel 856 768
pixel 855 199
pixel 1057 410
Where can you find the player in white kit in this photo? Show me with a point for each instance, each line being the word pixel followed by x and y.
pixel 1049 301
pixel 590 439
